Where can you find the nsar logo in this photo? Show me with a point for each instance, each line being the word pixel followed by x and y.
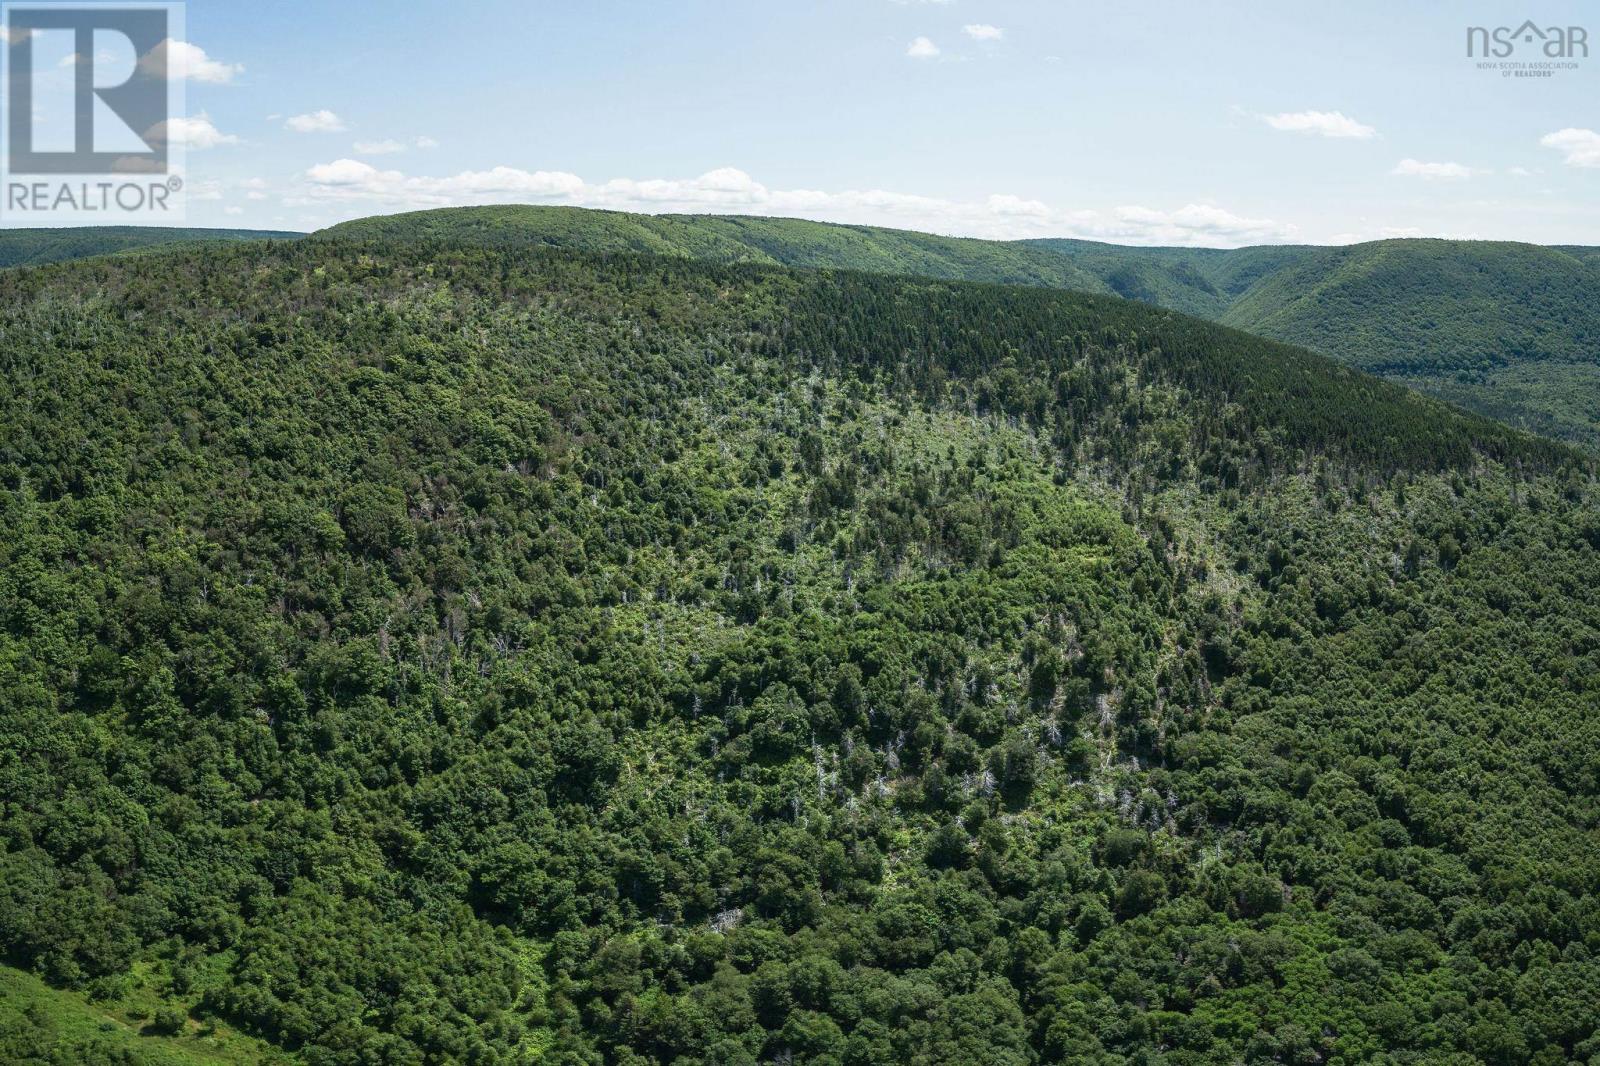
pixel 1552 42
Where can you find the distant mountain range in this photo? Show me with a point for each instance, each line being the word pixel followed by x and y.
pixel 31 247
pixel 1506 329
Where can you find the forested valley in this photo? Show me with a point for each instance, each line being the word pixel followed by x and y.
pixel 413 651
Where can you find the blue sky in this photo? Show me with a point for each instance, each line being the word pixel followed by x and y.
pixel 1138 122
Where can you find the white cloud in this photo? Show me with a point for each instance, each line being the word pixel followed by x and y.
pixel 195 132
pixel 321 121
pixel 1007 205
pixel 355 187
pixel 351 174
pixel 11 36
pixel 1581 148
pixel 352 179
pixel 1192 224
pixel 725 186
pixel 233 210
pixel 1520 172
pixel 1414 168
pixel 389 145
pixel 982 31
pixel 180 59
pixel 385 147
pixel 922 48
pixel 1320 123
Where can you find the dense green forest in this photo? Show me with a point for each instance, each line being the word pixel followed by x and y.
pixel 1511 330
pixel 416 651
pixel 736 239
pixel 1508 330
pixel 30 247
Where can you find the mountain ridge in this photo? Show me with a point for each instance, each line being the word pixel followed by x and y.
pixel 32 246
pixel 1507 329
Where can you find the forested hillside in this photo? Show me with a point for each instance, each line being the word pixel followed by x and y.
pixel 1512 330
pixel 1197 281
pixel 734 239
pixel 1458 294
pixel 1508 330
pixel 29 247
pixel 415 651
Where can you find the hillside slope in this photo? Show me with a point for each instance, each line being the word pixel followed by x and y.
pixel 420 653
pixel 43 1026
pixel 1421 306
pixel 733 239
pixel 1509 330
pixel 1512 330
pixel 33 246
pixel 1198 281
